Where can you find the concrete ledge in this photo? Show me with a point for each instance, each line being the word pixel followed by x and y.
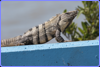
pixel 80 53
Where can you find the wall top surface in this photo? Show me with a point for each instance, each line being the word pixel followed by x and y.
pixel 50 46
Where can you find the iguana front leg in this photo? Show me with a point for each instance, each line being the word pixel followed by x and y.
pixel 59 38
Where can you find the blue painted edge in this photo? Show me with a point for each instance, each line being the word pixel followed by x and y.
pixel 50 46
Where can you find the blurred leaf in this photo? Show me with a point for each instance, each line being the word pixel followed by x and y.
pixel 81 30
pixel 84 3
pixel 89 3
pixel 86 10
pixel 79 13
pixel 92 23
pixel 80 8
pixel 86 23
pixel 78 34
pixel 79 38
pixel 94 5
pixel 93 30
pixel 68 32
pixel 84 27
pixel 65 11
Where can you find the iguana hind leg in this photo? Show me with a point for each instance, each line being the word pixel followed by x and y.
pixel 25 41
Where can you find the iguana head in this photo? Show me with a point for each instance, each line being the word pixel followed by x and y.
pixel 66 19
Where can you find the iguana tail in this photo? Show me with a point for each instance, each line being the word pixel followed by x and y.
pixel 10 41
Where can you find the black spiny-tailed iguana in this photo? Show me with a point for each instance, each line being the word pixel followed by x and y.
pixel 44 32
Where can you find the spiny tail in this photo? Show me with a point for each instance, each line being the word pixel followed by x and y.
pixel 10 41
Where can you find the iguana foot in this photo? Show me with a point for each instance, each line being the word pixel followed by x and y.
pixel 68 41
pixel 20 44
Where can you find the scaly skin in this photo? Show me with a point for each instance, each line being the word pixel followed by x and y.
pixel 44 32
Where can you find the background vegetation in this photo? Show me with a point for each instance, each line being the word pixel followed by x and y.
pixel 90 26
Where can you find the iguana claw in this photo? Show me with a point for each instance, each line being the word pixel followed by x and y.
pixel 68 41
pixel 20 44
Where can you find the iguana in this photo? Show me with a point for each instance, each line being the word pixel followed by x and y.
pixel 44 32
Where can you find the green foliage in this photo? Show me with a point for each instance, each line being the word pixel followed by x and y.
pixel 90 26
pixel 65 11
